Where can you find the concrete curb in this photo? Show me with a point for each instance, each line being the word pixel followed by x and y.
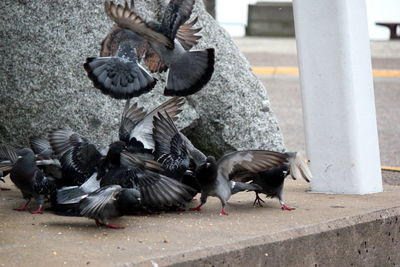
pixel 372 239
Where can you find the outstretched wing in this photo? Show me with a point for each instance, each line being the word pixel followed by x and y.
pixel 131 115
pixel 126 18
pixel 143 130
pixel 161 191
pixel 63 140
pixel 186 35
pixel 40 146
pixel 93 205
pixel 235 163
pixel 8 153
pixel 177 13
pixel 170 149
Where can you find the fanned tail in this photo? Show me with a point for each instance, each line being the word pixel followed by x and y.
pixel 298 167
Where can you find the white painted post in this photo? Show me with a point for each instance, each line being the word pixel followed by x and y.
pixel 338 95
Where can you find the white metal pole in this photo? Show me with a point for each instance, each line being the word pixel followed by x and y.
pixel 338 95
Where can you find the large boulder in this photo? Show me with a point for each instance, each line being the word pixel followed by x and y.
pixel 44 85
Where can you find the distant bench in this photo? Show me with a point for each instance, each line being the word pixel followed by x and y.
pixel 392 27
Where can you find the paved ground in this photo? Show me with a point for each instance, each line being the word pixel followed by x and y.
pixel 50 240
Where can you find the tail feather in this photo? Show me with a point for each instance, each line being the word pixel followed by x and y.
pixel 118 77
pixel 190 74
pixel 239 187
pixel 298 167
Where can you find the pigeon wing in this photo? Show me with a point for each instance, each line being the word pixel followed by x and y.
pixel 40 146
pixel 186 35
pixel 250 160
pixel 177 13
pixel 170 149
pixel 143 130
pixel 126 18
pixel 93 205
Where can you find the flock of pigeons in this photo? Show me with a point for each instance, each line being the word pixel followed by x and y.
pixel 153 166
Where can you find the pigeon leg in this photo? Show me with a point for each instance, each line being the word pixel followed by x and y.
pixel 223 212
pixel 4 188
pixel 108 225
pixel 38 210
pixel 203 200
pixel 258 200
pixel 24 207
pixel 198 208
pixel 284 207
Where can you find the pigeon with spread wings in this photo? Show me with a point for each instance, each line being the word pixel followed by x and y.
pixel 135 178
pixel 171 40
pixel 272 180
pixel 175 152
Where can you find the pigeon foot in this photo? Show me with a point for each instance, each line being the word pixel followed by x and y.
pixel 223 212
pixel 284 207
pixel 258 201
pixel 198 208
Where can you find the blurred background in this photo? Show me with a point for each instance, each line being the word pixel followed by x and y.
pixel 264 32
pixel 275 17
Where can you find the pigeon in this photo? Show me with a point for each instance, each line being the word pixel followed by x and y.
pixel 79 158
pixel 134 173
pixel 29 179
pixel 175 152
pixel 109 201
pixel 120 75
pixel 272 180
pixel 188 71
pixel 216 178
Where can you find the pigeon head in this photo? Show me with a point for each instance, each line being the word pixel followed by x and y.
pixel 129 200
pixel 207 172
pixel 114 151
pixel 26 153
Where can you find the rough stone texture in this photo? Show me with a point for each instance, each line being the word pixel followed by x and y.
pixel 43 84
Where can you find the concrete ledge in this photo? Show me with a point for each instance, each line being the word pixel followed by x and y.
pixel 324 230
pixel 372 239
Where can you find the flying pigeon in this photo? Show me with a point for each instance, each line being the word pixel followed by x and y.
pixel 170 41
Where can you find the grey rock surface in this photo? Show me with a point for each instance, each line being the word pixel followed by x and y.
pixel 43 85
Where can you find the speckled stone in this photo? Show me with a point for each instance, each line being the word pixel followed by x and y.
pixel 43 84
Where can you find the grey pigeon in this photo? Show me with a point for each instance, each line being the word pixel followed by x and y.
pixel 189 70
pixel 109 201
pixel 216 177
pixel 175 152
pixel 30 179
pixel 272 180
pixel 156 190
